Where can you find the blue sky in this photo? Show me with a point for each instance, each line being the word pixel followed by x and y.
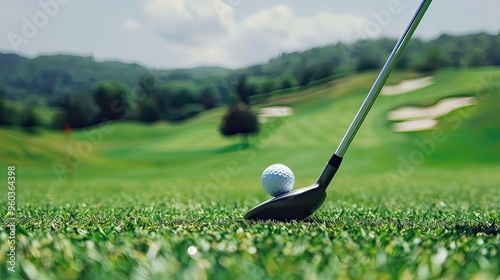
pixel 230 33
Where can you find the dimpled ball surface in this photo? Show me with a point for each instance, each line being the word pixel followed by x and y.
pixel 277 179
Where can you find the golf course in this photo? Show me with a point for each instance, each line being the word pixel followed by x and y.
pixel 126 200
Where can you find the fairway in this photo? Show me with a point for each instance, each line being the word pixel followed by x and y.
pixel 166 201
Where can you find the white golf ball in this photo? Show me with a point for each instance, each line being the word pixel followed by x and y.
pixel 277 179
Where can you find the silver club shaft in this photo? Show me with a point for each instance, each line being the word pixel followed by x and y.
pixel 381 79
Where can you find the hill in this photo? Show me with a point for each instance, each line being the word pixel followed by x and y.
pixel 49 77
pixel 322 114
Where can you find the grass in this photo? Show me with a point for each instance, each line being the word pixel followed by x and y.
pixel 166 201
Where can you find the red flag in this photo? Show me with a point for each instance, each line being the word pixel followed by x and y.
pixel 67 129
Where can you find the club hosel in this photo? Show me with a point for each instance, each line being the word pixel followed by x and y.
pixel 329 171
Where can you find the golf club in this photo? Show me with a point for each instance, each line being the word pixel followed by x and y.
pixel 301 203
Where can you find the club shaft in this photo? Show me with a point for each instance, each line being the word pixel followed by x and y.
pixel 381 79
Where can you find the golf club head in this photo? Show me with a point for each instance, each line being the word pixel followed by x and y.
pixel 298 204
pixel 294 205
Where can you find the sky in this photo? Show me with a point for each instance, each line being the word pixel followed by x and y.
pixel 228 33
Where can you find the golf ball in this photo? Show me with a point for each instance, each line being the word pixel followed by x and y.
pixel 277 179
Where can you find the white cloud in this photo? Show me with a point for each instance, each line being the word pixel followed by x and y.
pixel 277 29
pixel 207 33
pixel 186 21
pixel 131 25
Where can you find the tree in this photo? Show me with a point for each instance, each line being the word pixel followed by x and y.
pixel 27 117
pixel 162 95
pixel 476 58
pixel 304 76
pixel 112 98
pixel 181 97
pixel 492 54
pixel 239 120
pixel 147 110
pixel 268 86
pixel 403 61
pixel 244 90
pixel 208 97
pixel 434 59
pixel 368 62
pixel 77 111
pixel 3 113
pixel 287 81
pixel 147 83
pixel 179 101
pixel 323 70
pixel 286 84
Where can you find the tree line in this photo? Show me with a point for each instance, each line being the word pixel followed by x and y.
pixel 184 93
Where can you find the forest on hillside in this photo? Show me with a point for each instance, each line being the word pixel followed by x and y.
pixel 85 92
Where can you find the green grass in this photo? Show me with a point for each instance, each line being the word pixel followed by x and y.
pixel 145 196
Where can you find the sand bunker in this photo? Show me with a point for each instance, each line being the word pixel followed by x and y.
pixel 424 118
pixel 414 125
pixel 407 86
pixel 442 108
pixel 273 112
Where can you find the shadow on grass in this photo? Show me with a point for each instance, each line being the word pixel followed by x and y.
pixel 30 130
pixel 234 148
pixel 486 228
pixel 472 228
